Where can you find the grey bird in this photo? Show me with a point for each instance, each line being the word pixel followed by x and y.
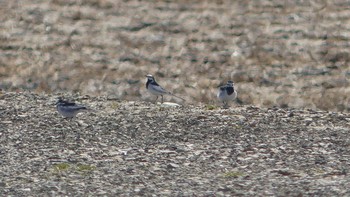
pixel 154 88
pixel 227 93
pixel 68 109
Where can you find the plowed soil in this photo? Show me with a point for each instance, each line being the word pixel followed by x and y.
pixel 279 53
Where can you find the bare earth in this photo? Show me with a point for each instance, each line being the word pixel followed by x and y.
pixel 286 135
pixel 125 148
pixel 279 53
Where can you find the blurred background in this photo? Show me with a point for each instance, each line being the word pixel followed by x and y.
pixel 291 54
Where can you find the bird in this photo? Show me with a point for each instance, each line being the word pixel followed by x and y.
pixel 154 88
pixel 227 93
pixel 68 109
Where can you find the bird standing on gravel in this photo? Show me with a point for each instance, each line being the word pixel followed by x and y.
pixel 154 88
pixel 68 109
pixel 227 93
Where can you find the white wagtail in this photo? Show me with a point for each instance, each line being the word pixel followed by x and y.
pixel 68 109
pixel 154 88
pixel 227 93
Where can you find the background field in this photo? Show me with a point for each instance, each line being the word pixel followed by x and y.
pixel 279 53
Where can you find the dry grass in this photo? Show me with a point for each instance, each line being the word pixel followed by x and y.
pixel 279 53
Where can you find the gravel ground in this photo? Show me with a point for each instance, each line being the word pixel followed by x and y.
pixel 132 148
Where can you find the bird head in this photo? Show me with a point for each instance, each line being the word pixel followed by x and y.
pixel 230 83
pixel 150 77
pixel 59 100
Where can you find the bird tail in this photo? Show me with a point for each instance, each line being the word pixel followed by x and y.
pixel 176 96
pixel 89 109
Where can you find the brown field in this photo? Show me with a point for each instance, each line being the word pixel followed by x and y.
pixel 291 54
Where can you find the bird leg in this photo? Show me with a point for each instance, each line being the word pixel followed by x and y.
pixel 162 98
